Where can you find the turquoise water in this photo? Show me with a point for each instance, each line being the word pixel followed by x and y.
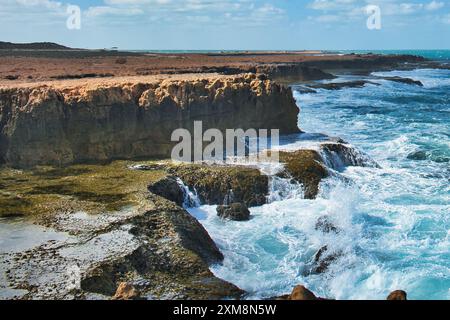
pixel 393 221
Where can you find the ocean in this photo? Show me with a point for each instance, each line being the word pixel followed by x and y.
pixel 393 222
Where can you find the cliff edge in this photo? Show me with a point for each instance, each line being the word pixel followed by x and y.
pixel 123 118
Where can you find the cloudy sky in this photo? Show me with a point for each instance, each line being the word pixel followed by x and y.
pixel 230 24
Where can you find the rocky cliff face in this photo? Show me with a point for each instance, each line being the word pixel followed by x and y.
pixel 64 124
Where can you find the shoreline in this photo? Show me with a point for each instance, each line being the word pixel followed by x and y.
pixel 98 280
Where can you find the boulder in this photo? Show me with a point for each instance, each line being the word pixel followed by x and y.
pixel 339 155
pixel 398 295
pixel 235 212
pixel 169 189
pixel 302 293
pixel 126 291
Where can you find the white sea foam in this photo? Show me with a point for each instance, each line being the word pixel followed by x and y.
pixel 393 221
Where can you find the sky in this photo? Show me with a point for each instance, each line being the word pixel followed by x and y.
pixel 229 24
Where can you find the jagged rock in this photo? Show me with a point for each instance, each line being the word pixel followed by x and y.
pixel 338 156
pixel 110 119
pixel 169 188
pixel 323 259
pixel 222 185
pixel 126 291
pixel 306 167
pixel 302 293
pixel 235 212
pixel 324 225
pixel 398 295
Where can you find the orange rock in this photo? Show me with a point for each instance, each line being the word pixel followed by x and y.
pixel 301 293
pixel 398 295
pixel 126 291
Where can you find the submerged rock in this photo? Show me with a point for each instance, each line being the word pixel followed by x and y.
pixel 235 212
pixel 398 295
pixel 306 167
pixel 324 225
pixel 418 156
pixel 323 259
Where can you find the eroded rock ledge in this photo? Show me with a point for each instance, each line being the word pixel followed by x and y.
pixel 98 120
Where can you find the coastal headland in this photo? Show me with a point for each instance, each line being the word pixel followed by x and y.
pixel 85 142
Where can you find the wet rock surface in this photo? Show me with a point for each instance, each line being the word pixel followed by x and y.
pixel 403 80
pixel 235 212
pixel 323 259
pixel 163 253
pixel 398 295
pixel 306 167
pixel 339 155
pixel 168 188
pixel 223 185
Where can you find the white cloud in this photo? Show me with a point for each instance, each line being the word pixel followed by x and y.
pixel 434 5
pixel 191 12
pixel 105 10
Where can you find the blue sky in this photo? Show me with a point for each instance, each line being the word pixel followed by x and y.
pixel 230 24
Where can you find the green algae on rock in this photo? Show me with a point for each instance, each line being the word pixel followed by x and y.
pixel 306 167
pixel 92 188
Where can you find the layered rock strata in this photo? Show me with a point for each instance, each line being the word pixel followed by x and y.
pixel 69 122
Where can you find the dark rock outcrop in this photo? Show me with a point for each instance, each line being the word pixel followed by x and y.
pixel 324 225
pixel 288 73
pixel 235 212
pixel 168 188
pixel 418 156
pixel 404 80
pixel 224 185
pixel 342 85
pixel 323 259
pixel 62 125
pixel 339 155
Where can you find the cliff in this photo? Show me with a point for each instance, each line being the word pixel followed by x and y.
pixel 133 117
